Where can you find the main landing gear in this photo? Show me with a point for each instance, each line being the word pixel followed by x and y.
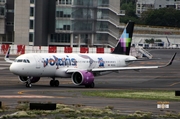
pixel 54 83
pixel 90 85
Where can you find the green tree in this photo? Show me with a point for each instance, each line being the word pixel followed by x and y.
pixel 161 17
pixel 149 40
pixel 128 1
pixel 155 17
pixel 130 10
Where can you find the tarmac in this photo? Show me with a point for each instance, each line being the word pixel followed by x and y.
pixel 168 78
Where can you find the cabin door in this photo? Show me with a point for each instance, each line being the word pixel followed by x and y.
pixel 38 61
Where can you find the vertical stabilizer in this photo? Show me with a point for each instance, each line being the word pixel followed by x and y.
pixel 124 44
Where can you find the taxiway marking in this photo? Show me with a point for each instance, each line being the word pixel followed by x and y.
pixel 26 96
pixel 174 84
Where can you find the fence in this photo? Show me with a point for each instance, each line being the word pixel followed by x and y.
pixel 22 49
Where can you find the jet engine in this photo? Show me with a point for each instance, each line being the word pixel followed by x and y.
pixel 32 79
pixel 83 78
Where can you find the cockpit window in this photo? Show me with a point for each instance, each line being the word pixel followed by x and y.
pixel 28 61
pixel 24 61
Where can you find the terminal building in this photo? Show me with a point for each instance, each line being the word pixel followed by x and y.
pixel 71 23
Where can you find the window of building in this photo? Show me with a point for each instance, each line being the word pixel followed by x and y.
pixel 138 12
pixel 178 7
pixel 2 11
pixel 103 3
pixel 83 13
pixel 102 26
pixel 61 38
pixel 66 27
pixel 103 14
pixel 10 11
pixel 31 37
pixel 2 1
pixel 78 2
pixel 31 24
pixel 9 23
pixel 83 2
pixel 63 12
pixel 32 1
pixel 63 25
pixel 100 38
pixel 61 1
pixel 83 26
pixel 31 11
pixel 68 2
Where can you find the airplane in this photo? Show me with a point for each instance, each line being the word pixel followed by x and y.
pixel 81 68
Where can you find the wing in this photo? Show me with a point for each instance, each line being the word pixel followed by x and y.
pixel 4 68
pixel 124 68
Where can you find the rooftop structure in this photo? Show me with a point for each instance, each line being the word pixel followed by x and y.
pixel 144 5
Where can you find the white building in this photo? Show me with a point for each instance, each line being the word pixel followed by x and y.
pixel 144 5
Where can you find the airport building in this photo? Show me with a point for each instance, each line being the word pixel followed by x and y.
pixel 144 5
pixel 71 23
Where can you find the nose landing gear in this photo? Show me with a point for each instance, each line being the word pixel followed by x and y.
pixel 28 82
pixel 28 85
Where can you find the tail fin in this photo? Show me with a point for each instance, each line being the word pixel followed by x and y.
pixel 124 44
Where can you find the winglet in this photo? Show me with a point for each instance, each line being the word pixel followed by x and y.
pixel 170 61
pixel 6 57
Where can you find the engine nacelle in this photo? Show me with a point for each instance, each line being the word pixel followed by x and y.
pixel 33 79
pixel 82 78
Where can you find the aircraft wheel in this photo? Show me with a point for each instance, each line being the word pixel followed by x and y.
pixel 92 85
pixel 28 85
pixel 87 86
pixel 56 83
pixel 52 83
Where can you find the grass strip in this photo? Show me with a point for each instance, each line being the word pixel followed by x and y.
pixel 79 111
pixel 135 94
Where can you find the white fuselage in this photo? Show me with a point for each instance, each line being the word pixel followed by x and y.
pixel 56 64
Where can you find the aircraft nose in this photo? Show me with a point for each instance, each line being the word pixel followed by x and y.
pixel 13 69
